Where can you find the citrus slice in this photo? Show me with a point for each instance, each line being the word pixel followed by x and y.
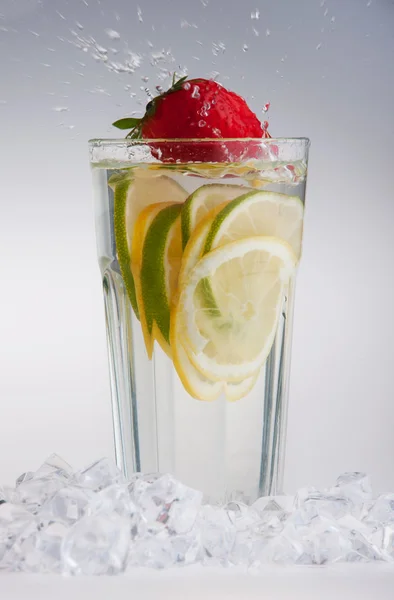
pixel 258 213
pixel 160 265
pixel 202 201
pixel 195 246
pixel 135 189
pixel 194 382
pixel 232 339
pixel 141 228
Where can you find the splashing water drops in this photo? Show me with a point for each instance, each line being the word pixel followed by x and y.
pixel 60 109
pixel 139 13
pixel 267 32
pixel 256 33
pixel 245 48
pixel 255 14
pixel 196 92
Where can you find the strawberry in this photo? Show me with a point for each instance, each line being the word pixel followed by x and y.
pixel 195 109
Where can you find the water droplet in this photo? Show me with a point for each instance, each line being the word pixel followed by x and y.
pixel 214 75
pixel 60 38
pixel 266 107
pixel 117 16
pixel 159 89
pixel 85 2
pixel 318 47
pixel 202 123
pixel 369 3
pixel 217 48
pixel 45 65
pixel 195 57
pixel 112 34
pixel 267 32
pixel 139 13
pixel 185 23
pixel 79 25
pixel 199 43
pixel 34 33
pixel 3 29
pixel 114 50
pixel 322 3
pixel 245 48
pixel 255 14
pixel 205 3
pixel 325 12
pixel 51 49
pixel 196 91
pixel 145 78
pixel 332 19
pixel 149 44
pixel 216 132
pixel 255 32
pixel 60 109
pixel 60 15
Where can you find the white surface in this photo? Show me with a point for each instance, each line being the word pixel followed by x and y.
pixel 354 582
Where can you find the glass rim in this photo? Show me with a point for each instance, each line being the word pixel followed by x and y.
pixel 134 141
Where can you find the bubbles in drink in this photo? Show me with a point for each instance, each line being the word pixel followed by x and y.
pixel 186 86
pixel 202 123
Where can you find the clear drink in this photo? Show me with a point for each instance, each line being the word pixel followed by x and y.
pixel 198 261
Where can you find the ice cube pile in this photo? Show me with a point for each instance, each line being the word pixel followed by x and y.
pixel 95 522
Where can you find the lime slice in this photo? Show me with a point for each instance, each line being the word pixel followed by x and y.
pixel 232 340
pixel 202 201
pixel 160 265
pixel 258 213
pixel 194 382
pixel 141 229
pixel 133 191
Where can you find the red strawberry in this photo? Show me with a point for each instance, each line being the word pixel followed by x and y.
pixel 195 109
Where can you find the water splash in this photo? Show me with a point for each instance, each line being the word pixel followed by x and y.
pixel 139 14
pixel 255 14
pixel 266 107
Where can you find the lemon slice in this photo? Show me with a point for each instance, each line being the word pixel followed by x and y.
pixel 195 246
pixel 134 190
pixel 232 339
pixel 158 277
pixel 259 213
pixel 202 201
pixel 194 382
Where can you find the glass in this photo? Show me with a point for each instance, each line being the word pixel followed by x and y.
pixel 198 242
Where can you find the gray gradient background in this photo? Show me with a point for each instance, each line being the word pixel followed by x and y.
pixel 54 391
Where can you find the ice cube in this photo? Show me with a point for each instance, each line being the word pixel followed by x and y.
pixel 13 520
pixel 164 550
pixel 363 550
pixel 310 503
pixel 382 510
pixel 165 502
pixel 54 466
pixel 99 475
pixel 33 493
pixel 24 477
pixel 37 549
pixel 354 486
pixel 67 506
pixel 217 534
pixel 96 545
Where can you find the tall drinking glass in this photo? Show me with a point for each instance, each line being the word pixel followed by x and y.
pixel 198 244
